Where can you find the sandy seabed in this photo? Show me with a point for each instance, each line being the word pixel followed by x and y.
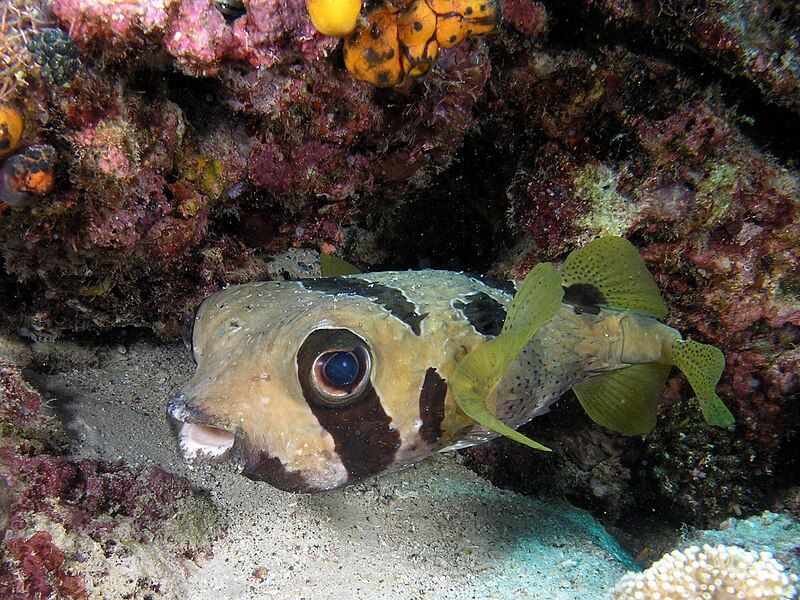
pixel 433 531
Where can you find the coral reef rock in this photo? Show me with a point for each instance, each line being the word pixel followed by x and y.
pixel 85 528
pixel 196 140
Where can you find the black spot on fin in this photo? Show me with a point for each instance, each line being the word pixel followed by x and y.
pixel 483 312
pixel 391 299
pixel 584 297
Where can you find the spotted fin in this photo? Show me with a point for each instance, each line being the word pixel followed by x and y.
pixel 333 266
pixel 609 271
pixel 626 400
pixel 702 365
pixel 475 377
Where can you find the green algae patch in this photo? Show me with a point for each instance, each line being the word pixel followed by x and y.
pixel 716 191
pixel 208 174
pixel 609 211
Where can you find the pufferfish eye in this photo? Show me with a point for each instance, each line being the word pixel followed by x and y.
pixel 334 366
pixel 339 374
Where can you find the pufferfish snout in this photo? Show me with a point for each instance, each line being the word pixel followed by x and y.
pixel 196 436
pixel 311 385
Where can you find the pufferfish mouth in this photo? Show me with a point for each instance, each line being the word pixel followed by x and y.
pixel 197 438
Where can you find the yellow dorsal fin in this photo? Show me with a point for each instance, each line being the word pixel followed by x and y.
pixel 702 365
pixel 476 376
pixel 626 400
pixel 333 266
pixel 613 266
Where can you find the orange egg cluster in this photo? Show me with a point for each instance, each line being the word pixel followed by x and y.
pixel 393 42
pixel 11 125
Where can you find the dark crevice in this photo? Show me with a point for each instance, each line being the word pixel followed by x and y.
pixel 769 125
pixel 459 220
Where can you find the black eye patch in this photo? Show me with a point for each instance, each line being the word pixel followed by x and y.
pixel 361 430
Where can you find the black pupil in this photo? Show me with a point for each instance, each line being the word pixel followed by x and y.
pixel 341 369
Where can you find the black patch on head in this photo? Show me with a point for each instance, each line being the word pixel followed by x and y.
pixel 431 406
pixel 389 298
pixel 260 466
pixel 504 285
pixel 361 431
pixel 584 297
pixel 483 312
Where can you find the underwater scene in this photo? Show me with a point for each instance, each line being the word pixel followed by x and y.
pixel 403 299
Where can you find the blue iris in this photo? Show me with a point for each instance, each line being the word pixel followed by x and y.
pixel 341 369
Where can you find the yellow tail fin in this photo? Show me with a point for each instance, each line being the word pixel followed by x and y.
pixel 702 365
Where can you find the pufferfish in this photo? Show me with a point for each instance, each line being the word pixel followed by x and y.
pixel 314 384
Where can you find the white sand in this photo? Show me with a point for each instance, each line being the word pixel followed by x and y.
pixel 434 531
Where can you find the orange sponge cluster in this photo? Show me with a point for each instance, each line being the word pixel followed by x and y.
pixel 393 42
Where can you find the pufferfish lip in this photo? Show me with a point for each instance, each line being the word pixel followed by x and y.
pixel 199 436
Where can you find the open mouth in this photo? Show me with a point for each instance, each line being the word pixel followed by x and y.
pixel 203 441
pixel 199 441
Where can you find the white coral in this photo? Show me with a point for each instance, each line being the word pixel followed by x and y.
pixel 713 573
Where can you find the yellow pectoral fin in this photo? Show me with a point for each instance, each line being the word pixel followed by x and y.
pixel 333 266
pixel 613 266
pixel 626 400
pixel 473 382
pixel 475 377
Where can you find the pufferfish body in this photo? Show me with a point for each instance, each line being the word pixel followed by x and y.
pixel 314 384
pixel 335 379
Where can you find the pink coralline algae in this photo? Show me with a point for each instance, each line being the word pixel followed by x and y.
pixel 526 16
pixel 41 564
pixel 86 500
pixel 195 32
pixel 146 209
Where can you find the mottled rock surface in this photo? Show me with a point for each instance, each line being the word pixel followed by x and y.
pixel 195 147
